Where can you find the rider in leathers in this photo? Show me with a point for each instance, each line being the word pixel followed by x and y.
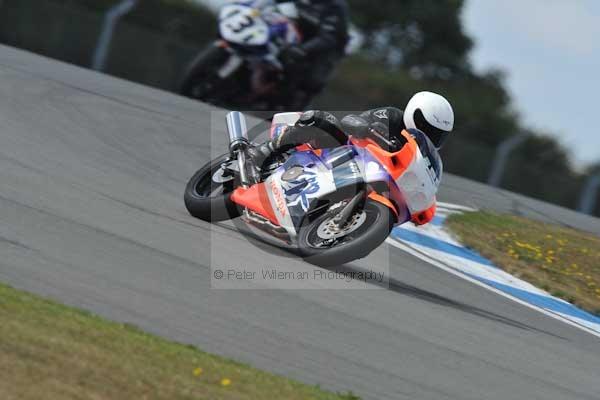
pixel 323 25
pixel 429 118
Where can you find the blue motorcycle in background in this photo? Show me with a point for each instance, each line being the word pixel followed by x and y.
pixel 241 69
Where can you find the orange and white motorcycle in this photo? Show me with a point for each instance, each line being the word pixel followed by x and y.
pixel 330 206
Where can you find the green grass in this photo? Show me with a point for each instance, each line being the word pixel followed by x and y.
pixel 50 351
pixel 564 262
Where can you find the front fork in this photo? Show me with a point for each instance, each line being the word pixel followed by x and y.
pixel 238 147
pixel 350 209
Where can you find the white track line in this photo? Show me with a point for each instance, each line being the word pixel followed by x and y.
pixel 461 275
pixel 454 207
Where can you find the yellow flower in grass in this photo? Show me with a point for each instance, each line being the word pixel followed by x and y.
pixel 198 371
pixel 225 382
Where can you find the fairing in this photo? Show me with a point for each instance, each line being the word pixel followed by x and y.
pixel 405 181
pixel 307 181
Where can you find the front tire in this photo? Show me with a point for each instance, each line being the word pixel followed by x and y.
pixel 367 229
pixel 208 199
pixel 200 80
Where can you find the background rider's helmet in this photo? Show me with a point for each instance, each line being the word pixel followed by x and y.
pixel 432 114
pixel 288 8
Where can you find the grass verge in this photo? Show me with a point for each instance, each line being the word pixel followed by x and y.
pixel 50 351
pixel 562 261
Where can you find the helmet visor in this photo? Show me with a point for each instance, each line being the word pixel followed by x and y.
pixel 436 135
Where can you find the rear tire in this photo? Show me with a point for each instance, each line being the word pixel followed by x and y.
pixel 376 223
pixel 209 200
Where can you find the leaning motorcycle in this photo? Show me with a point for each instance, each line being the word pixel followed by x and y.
pixel 330 206
pixel 241 69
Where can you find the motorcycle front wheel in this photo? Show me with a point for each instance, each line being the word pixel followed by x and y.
pixel 200 80
pixel 322 242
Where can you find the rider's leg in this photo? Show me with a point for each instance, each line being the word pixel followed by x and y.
pixel 318 128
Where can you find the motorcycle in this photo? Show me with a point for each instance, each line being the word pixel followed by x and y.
pixel 329 206
pixel 241 70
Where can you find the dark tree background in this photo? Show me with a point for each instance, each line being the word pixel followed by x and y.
pixel 413 45
pixel 410 45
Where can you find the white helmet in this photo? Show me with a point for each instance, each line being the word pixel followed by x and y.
pixel 432 114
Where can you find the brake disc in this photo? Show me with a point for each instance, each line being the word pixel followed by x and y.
pixel 329 229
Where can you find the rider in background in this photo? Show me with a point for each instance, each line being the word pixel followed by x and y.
pixel 428 118
pixel 323 25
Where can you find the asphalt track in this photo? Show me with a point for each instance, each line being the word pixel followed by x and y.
pixel 92 171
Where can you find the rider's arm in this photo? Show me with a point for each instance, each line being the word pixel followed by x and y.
pixel 384 125
pixel 329 24
pixel 384 120
pixel 331 32
pixel 391 117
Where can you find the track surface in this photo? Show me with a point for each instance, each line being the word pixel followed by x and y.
pixel 92 171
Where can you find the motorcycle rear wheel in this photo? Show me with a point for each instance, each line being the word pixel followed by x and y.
pixel 208 194
pixel 366 230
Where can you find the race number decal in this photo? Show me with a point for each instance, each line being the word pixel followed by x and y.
pixel 243 25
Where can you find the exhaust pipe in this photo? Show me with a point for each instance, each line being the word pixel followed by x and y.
pixel 238 131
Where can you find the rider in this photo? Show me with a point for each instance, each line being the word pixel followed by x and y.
pixel 428 117
pixel 323 25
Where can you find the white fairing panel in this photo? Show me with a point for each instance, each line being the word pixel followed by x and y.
pixel 279 202
pixel 419 184
pixel 289 118
pixel 243 25
pixel 281 121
